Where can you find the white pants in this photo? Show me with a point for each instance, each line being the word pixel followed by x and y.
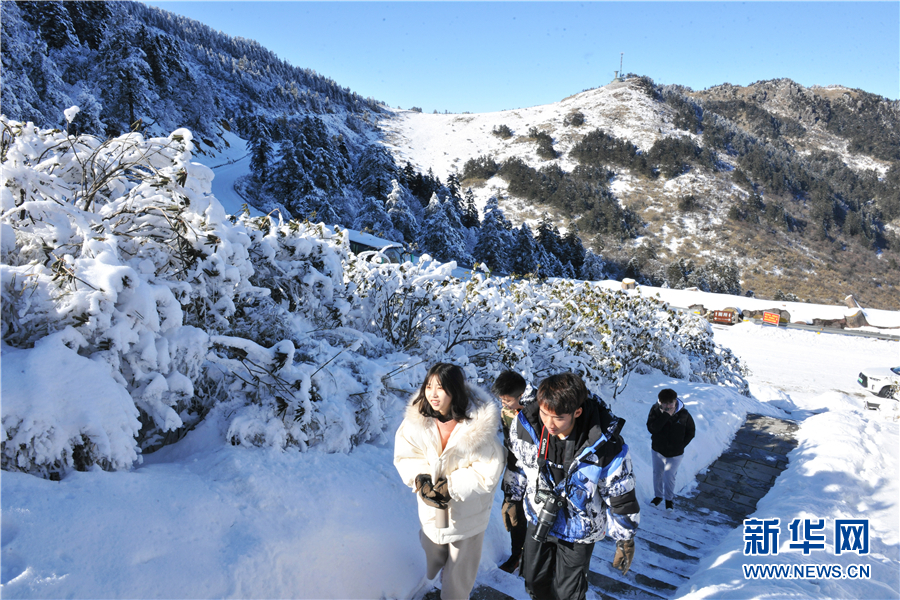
pixel 664 471
pixel 459 561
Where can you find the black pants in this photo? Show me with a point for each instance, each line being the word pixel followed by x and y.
pixel 517 532
pixel 555 570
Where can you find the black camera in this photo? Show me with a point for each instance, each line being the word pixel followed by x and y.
pixel 551 503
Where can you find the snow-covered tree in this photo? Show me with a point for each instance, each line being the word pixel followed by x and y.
pixel 17 94
pixel 593 268
pixel 374 172
pixel 401 215
pixel 125 75
pixel 548 236
pixel 88 118
pixel 470 211
pixel 374 219
pixel 491 248
pixel 523 259
pixel 439 237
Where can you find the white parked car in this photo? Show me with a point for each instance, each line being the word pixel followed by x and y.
pixel 882 381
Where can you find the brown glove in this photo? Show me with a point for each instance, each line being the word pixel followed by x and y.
pixel 442 489
pixel 624 555
pixel 421 480
pixel 510 514
pixel 431 493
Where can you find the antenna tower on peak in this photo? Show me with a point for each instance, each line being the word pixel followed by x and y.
pixel 620 74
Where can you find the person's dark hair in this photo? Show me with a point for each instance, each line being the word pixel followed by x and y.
pixel 666 396
pixel 562 394
pixel 453 380
pixel 509 383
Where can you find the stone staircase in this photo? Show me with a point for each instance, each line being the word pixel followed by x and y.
pixel 669 545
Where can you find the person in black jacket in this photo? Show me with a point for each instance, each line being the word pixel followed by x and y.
pixel 671 429
pixel 510 388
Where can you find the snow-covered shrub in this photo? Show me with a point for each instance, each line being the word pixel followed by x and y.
pixel 318 383
pixel 117 250
pixel 489 324
pixel 120 247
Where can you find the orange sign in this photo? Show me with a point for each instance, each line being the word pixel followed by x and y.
pixel 773 318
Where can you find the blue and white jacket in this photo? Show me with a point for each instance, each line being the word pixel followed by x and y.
pixel 599 483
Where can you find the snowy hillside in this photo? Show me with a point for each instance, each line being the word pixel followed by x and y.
pixel 443 142
pixel 753 204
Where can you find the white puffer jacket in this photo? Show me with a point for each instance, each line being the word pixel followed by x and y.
pixel 472 462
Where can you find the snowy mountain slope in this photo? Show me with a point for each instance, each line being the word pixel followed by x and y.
pixel 444 142
pixel 720 219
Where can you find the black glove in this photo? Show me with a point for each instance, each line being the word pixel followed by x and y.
pixel 624 555
pixel 510 514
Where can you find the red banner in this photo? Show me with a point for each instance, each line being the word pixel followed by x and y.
pixel 773 318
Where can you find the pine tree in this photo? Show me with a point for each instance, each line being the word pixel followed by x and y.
pixel 438 237
pixel 592 269
pixel 491 248
pixel 260 152
pixel 288 183
pixel 53 20
pixel 89 21
pixel 17 95
pixel 453 214
pixel 401 216
pixel 374 172
pixel 47 83
pixel 88 118
pixel 523 258
pixel 572 249
pixel 125 78
pixel 548 263
pixel 470 211
pixel 548 237
pixel 324 210
pixel 374 219
pixel 453 185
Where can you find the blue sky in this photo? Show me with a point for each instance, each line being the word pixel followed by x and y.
pixel 489 56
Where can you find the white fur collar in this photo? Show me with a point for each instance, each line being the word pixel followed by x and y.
pixel 483 423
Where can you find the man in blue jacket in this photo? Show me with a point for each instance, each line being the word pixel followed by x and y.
pixel 575 476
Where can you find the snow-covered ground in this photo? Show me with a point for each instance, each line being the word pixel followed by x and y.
pixel 884 321
pixel 204 519
pixel 229 165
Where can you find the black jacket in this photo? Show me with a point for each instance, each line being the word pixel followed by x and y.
pixel 670 434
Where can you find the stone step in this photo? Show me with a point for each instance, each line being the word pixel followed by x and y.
pixel 687 529
pixel 649 565
pixel 619 588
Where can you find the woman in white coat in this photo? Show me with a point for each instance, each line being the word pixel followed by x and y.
pixel 448 452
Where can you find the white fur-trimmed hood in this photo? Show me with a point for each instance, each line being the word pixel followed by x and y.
pixel 483 423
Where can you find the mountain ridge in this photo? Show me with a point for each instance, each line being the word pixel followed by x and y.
pixel 637 111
